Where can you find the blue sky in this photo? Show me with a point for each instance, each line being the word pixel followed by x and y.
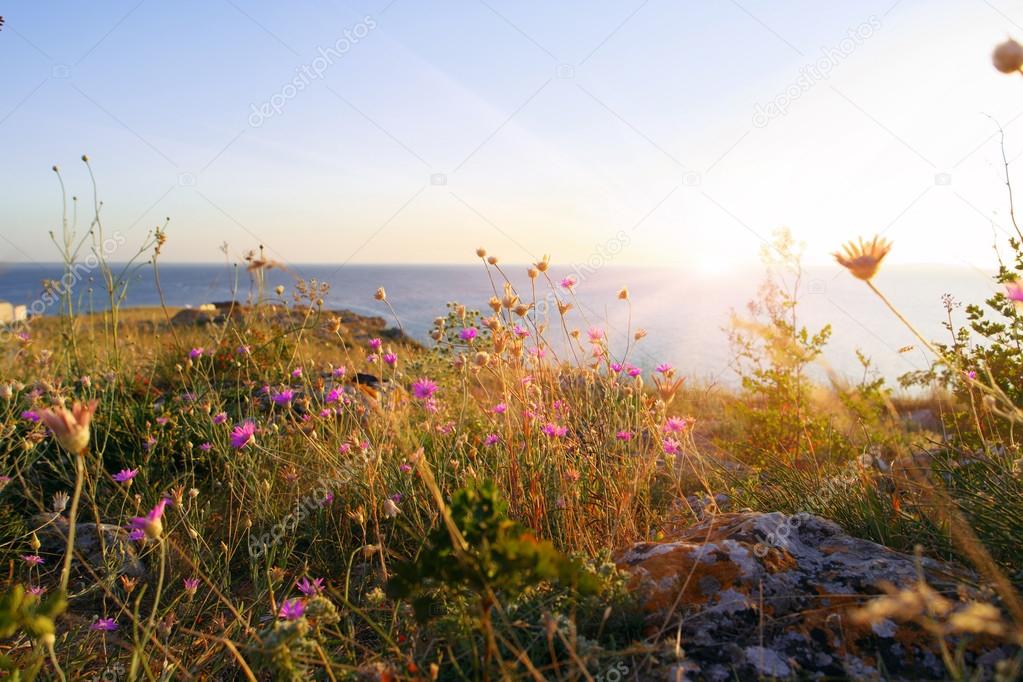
pixel 527 127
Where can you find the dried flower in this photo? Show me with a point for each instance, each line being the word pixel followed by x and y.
pixel 380 294
pixel 71 428
pixel 863 259
pixel 1008 57
pixel 390 508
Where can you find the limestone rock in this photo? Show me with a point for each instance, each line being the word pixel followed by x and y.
pixel 760 595
pixel 120 556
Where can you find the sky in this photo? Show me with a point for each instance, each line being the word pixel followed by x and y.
pixel 636 132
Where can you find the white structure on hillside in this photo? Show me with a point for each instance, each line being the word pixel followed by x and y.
pixel 12 313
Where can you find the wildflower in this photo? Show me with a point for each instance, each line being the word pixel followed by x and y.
pixel 404 467
pixel 104 625
pixel 191 585
pixel 623 294
pixel 633 371
pixel 1008 57
pixel 568 282
pixel 36 590
pixel 283 397
pixel 596 334
pixel 863 259
pixel 672 446
pixel 206 447
pixel 380 294
pixel 391 359
pixel 151 524
pixel 162 421
pixel 71 428
pixel 125 475
pixel 33 559
pixel 220 418
pixel 339 371
pixel 492 439
pixel 310 588
pixel 624 436
pixel 467 334
pixel 675 425
pixel 243 434
pixel 59 501
pixel 390 508
pixel 291 609
pixel 664 368
pixel 344 448
pixel 296 373
pixel 499 408
pixel 1014 292
pixel 617 367
pixel 243 350
pixel 196 353
pixel 30 415
pixel 543 264
pixel 553 430
pixel 372 358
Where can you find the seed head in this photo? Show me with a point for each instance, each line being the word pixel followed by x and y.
pixel 1008 57
pixel 863 259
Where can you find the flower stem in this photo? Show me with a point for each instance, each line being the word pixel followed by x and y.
pixel 65 574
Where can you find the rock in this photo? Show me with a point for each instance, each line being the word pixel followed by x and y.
pixel 120 558
pixel 760 595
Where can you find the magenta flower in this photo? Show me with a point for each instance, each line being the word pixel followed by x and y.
pixel 340 371
pixel 283 397
pixel 196 353
pixel 334 396
pixel 675 425
pixel 151 524
pixel 633 371
pixel 291 609
pixel 391 359
pixel 616 367
pixel 243 434
pixel 500 408
pixel 125 475
pixel 520 332
pixel 596 334
pixel 30 415
pixel 344 448
pixel 220 418
pixel 33 559
pixel 296 373
pixel 190 585
pixel 467 334
pixel 36 590
pixel 376 344
pixel 104 625
pixel 404 467
pixel 492 439
pixel 423 389
pixel 672 446
pixel 664 368
pixel 206 447
pixel 568 282
pixel 554 431
pixel 310 588
pixel 624 436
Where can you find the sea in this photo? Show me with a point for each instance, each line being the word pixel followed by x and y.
pixel 686 315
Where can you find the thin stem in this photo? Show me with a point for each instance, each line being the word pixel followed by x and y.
pixel 65 574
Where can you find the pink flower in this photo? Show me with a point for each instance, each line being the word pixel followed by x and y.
pixel 71 427
pixel 554 431
pixel 339 371
pixel 664 368
pixel 243 434
pixel 596 334
pixel 467 334
pixel 375 344
pixel 500 408
pixel 624 435
pixel 344 448
pixel 568 282
pixel 675 425
pixel 243 350
pixel 492 439
pixel 151 524
pixel 404 467
pixel 190 585
pixel 104 625
pixel 291 609
pixel 633 371
pixel 334 396
pixel 372 357
pixel 672 446
pixel 520 332
pixel 391 359
pixel 36 590
pixel 125 475
pixel 283 397
pixel 310 588
pixel 30 415
pixel 616 367
pixel 423 389
pixel 33 559
pixel 220 417
pixel 196 353
pixel 296 373
pixel 206 447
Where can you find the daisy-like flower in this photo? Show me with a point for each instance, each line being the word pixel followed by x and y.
pixel 310 588
pixel 672 446
pixel 191 585
pixel 151 524
pixel 554 431
pixel 467 334
pixel 675 425
pixel 33 559
pixel 375 344
pixel 617 367
pixel 863 259
pixel 220 418
pixel 243 434
pixel 633 371
pixel 568 282
pixel 291 609
pixel 196 353
pixel 71 427
pixel 391 359
pixel 283 397
pixel 206 447
pixel 624 436
pixel 664 368
pixel 492 439
pixel 125 475
pixel 104 625
pixel 596 334
pixel 423 389
pixel 296 373
pixel 499 408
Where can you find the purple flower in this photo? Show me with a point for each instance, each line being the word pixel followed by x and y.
pixel 243 434
pixel 136 535
pixel 633 371
pixel 162 421
pixel 616 367
pixel 125 475
pixel 196 353
pixel 33 559
pixel 104 625
pixel 520 332
pixel 624 435
pixel 283 397
pixel 467 334
pixel 344 448
pixel 339 371
pixel 423 389
pixel 554 431
pixel 375 344
pixel 568 282
pixel 190 585
pixel 151 524
pixel 310 588
pixel 664 368
pixel 206 447
pixel 404 467
pixel 500 408
pixel 291 609
pixel 390 358
pixel 676 425
pixel 30 415
pixel 492 439
pixel 220 417
pixel 672 446
pixel 243 350
pixel 296 373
